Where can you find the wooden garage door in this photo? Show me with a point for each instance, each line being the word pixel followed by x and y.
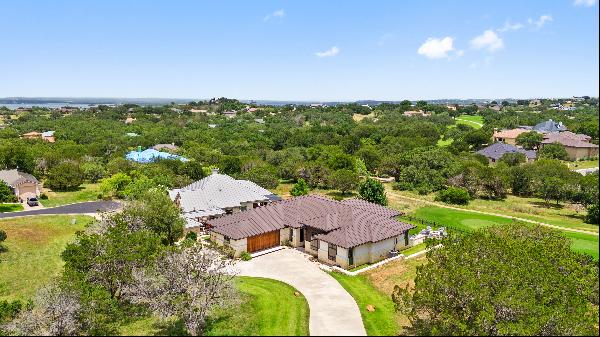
pixel 263 241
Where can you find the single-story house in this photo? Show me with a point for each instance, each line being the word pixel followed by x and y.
pixel 23 184
pixel 48 136
pixel 416 113
pixel 31 135
pixel 345 233
pixel 129 120
pixel 229 114
pixel 578 146
pixel 151 155
pixel 497 150
pixel 509 136
pixel 549 126
pixel 535 103
pixel 216 195
pixel 169 147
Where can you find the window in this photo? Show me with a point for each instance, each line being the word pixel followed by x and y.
pixel 350 256
pixel 314 244
pixel 226 239
pixel 332 252
pixel 229 211
pixel 243 208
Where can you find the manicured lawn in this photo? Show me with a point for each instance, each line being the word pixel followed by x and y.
pixel 468 221
pixel 34 247
pixel 414 249
pixel 268 308
pixel 87 192
pixel 10 207
pixel 582 164
pixel 474 121
pixel 381 322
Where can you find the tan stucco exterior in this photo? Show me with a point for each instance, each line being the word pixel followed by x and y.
pixel 27 189
pixel 577 153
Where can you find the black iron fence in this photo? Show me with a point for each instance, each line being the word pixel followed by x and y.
pixel 432 224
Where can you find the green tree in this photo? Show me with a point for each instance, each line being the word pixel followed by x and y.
pixel 93 171
pixel 344 180
pixel 300 188
pixel 530 140
pixel 454 195
pixel 513 158
pixel 553 151
pixel 263 175
pixel 66 176
pixel 373 191
pixel 507 280
pixel 6 193
pixel 115 185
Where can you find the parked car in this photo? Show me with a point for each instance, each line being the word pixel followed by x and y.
pixel 32 201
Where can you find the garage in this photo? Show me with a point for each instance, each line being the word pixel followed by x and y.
pixel 263 241
pixel 27 190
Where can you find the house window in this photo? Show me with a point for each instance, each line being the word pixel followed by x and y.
pixel 226 240
pixel 314 244
pixel 332 252
pixel 229 211
pixel 350 256
pixel 243 208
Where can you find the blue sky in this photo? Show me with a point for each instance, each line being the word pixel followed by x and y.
pixel 299 50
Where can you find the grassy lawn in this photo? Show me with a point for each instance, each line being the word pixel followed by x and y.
pixel 87 192
pixel 34 247
pixel 582 164
pixel 268 308
pixel 474 121
pixel 467 221
pixel 10 207
pixel 375 287
pixel 414 249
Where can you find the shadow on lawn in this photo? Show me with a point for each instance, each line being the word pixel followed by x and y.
pixel 542 204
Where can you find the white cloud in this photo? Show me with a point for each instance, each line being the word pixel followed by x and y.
pixel 276 14
pixel 329 52
pixel 460 53
pixel 585 3
pixel 435 48
pixel 539 23
pixel 488 40
pixel 508 26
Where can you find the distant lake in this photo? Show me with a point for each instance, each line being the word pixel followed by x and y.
pixel 44 105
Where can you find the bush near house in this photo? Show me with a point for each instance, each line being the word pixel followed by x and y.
pixel 454 195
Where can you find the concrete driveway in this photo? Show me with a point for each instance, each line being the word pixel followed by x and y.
pixel 89 207
pixel 333 312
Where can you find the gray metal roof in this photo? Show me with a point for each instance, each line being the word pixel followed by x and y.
pixel 550 126
pixel 208 196
pixel 13 178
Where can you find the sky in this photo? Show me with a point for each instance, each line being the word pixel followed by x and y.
pixel 299 50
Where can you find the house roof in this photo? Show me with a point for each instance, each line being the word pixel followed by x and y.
pixel 550 126
pixel 159 147
pixel 208 196
pixel 32 133
pixel 569 139
pixel 47 133
pixel 346 223
pixel 14 178
pixel 512 133
pixel 497 150
pixel 150 155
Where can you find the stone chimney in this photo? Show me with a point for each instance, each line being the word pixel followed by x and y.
pixel 215 171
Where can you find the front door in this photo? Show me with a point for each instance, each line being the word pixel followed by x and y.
pixel 301 235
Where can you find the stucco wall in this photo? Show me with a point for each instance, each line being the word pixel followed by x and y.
pixel 239 246
pixel 284 235
pixel 576 153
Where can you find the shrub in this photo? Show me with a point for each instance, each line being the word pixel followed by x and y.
pixel 454 195
pixel 592 214
pixel 246 256
pixel 373 191
pixel 191 236
pixel 6 193
pixel 66 176
pixel 43 196
pixel 300 188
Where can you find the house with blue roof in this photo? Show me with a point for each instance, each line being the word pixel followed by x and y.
pixel 151 155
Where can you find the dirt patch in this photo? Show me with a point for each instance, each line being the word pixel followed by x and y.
pixel 399 272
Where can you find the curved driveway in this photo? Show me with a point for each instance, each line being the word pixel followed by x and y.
pixel 78 208
pixel 333 312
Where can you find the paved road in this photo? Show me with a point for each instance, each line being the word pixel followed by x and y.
pixel 78 208
pixel 333 312
pixel 587 170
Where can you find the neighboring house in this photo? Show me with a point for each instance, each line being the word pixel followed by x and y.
pixel 549 126
pixel 22 109
pixel 131 134
pixel 416 113
pixel 229 114
pixel 535 103
pixel 151 155
pixel 345 233
pixel 578 146
pixel 212 126
pixel 48 136
pixel 23 184
pixel 68 109
pixel 259 120
pixel 496 107
pixel 452 107
pixel 198 110
pixel 509 136
pixel 169 147
pixel 216 195
pixel 497 150
pixel 129 120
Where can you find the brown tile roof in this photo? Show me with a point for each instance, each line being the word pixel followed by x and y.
pixel 568 139
pixel 347 224
pixel 512 133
